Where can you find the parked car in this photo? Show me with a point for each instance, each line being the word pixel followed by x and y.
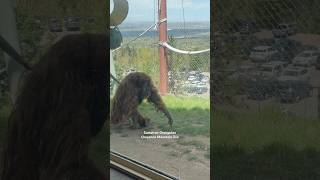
pixel 243 72
pixel 287 46
pixel 247 44
pixel 306 58
pixel 73 23
pixel 262 53
pixel 128 71
pixel 271 70
pixel 201 88
pixel 293 90
pixel 295 73
pixel 285 29
pixel 260 89
pixel 192 78
pixel 248 27
pixel 309 47
pixel 205 79
pixel 283 57
pixel 195 87
pixel 55 25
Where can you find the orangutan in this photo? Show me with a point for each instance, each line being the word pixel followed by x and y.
pixel 62 103
pixel 132 90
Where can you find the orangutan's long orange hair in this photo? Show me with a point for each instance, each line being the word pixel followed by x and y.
pixel 49 127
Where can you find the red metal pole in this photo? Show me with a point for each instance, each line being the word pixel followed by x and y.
pixel 162 50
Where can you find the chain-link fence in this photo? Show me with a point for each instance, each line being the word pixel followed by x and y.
pixel 3 77
pixel 266 55
pixel 187 74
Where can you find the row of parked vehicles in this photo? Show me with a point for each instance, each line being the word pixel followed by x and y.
pixel 270 75
pixel 263 54
pixel 280 67
pixel 285 30
pixel 191 82
pixel 285 91
pixel 197 82
pixel 70 23
pixel 246 27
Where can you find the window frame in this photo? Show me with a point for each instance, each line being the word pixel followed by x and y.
pixel 136 169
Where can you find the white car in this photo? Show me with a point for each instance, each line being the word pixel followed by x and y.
pixel 295 73
pixel 262 53
pixel 192 78
pixel 306 58
pixel 271 70
pixel 128 71
pixel 205 79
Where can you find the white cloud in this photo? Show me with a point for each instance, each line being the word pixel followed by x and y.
pixel 171 4
pixel 145 8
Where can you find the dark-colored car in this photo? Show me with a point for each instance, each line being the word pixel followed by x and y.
pixel 293 91
pixel 55 25
pixel 287 50
pixel 248 27
pixel 292 47
pixel 260 89
pixel 284 57
pixel 285 29
pixel 73 23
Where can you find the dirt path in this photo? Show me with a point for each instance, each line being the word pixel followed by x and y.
pixel 165 154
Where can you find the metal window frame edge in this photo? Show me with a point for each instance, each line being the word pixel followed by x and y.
pixel 136 169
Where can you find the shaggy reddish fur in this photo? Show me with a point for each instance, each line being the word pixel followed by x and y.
pixel 49 127
pixel 133 89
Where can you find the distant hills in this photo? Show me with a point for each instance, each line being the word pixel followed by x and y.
pixel 176 29
pixel 136 26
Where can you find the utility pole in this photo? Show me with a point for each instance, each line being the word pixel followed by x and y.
pixel 162 50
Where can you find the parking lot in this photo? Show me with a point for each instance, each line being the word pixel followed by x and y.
pixel 294 58
pixel 306 107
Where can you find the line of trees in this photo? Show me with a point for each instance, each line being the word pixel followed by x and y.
pixel 267 13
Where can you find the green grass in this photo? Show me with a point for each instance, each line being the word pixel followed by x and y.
pixel 265 146
pixel 4 114
pixel 192 158
pixel 274 161
pixel 194 143
pixel 250 130
pixel 185 111
pixel 191 115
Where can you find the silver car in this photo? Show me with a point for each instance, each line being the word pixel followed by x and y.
pixel 262 53
pixel 294 74
pixel 306 58
pixel 271 70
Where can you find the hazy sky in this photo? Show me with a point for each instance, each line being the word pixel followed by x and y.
pixel 143 10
